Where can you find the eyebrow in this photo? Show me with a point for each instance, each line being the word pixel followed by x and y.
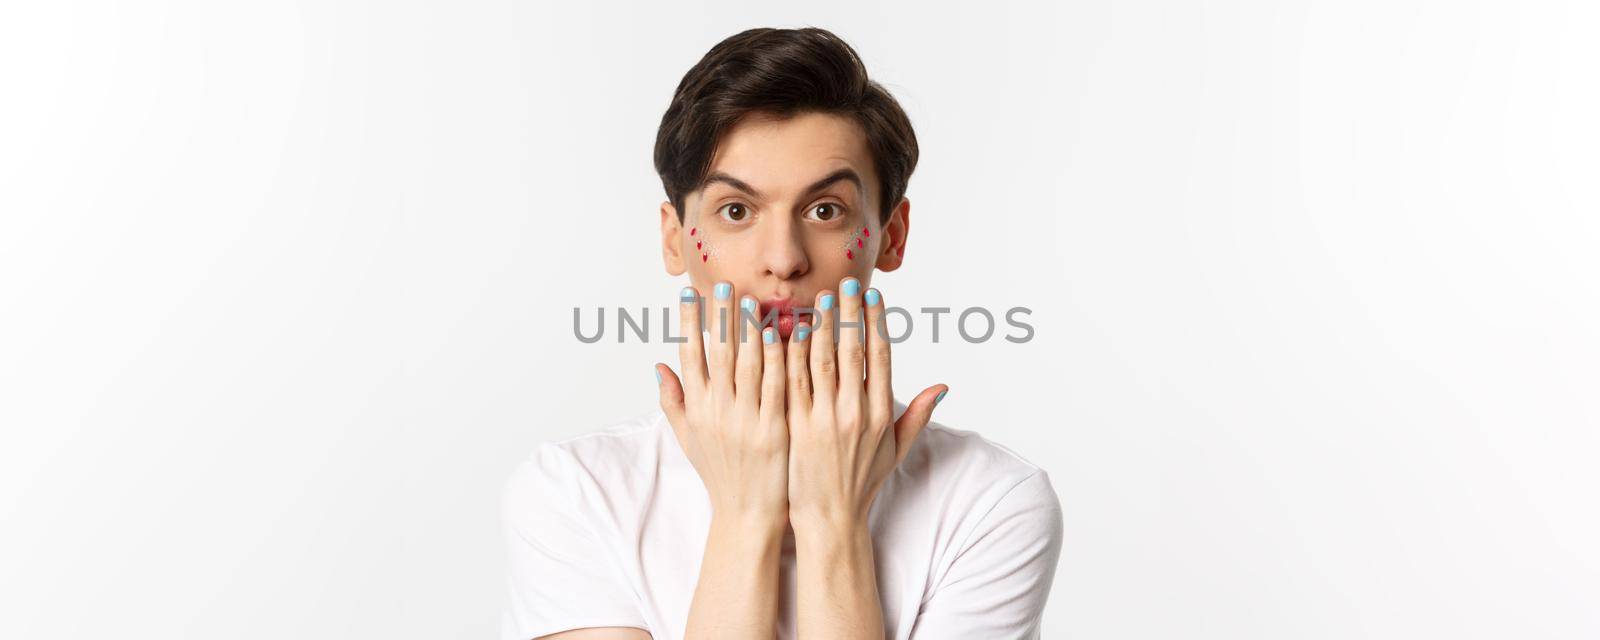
pixel 827 181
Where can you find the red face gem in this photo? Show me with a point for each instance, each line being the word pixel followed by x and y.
pixel 697 244
pixel 702 257
pixel 858 243
pixel 691 230
pixel 866 232
pixel 848 255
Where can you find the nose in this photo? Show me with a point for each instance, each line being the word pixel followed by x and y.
pixel 783 249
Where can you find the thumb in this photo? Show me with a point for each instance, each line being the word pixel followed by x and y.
pixel 671 392
pixel 917 414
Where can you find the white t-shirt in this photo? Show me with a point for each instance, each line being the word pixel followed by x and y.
pixel 609 528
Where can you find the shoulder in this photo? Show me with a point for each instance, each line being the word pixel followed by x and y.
pixel 566 473
pixel 624 443
pixel 996 534
pixel 949 459
pixel 962 483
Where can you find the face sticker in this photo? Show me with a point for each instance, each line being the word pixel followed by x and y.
pixel 702 244
pixel 857 242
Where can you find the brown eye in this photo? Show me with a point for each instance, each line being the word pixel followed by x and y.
pixel 831 209
pixel 731 208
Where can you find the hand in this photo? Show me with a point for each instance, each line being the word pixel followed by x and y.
pixel 843 440
pixel 728 411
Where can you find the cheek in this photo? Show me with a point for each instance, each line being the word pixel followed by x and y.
pixel 856 246
pixel 705 247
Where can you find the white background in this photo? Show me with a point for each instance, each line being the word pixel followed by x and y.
pixel 286 292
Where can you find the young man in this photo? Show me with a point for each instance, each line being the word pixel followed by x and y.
pixel 781 490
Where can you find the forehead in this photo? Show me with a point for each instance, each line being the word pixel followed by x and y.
pixel 783 156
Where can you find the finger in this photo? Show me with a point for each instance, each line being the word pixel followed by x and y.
pixel 798 371
pixel 915 418
pixel 747 364
pixel 824 366
pixel 670 390
pixel 719 347
pixel 852 351
pixel 773 382
pixel 691 352
pixel 880 392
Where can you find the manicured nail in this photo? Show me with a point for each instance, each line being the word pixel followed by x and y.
pixel 940 397
pixel 658 376
pixel 801 332
pixel 768 335
pixel 827 302
pixel 749 304
pixel 687 295
pixel 723 290
pixel 873 297
pixel 850 287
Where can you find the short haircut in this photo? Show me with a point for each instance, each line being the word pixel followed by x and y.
pixel 783 72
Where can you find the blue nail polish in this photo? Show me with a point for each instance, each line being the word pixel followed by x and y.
pixel 851 287
pixel 873 297
pixel 940 397
pixel 827 302
pixel 723 290
pixel 658 377
pixel 749 304
pixel 769 336
pixel 801 333
pixel 687 295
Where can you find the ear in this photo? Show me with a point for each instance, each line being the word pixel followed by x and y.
pixel 671 240
pixel 892 253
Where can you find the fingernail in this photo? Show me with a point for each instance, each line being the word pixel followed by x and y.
pixel 850 287
pixel 768 335
pixel 658 376
pixel 723 290
pixel 939 398
pixel 749 304
pixel 873 297
pixel 801 333
pixel 687 295
pixel 827 302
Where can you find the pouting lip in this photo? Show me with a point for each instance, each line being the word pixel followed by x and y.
pixel 783 306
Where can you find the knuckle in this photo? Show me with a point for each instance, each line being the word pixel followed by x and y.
pixel 853 355
pixel 770 448
pixel 879 349
pixel 827 367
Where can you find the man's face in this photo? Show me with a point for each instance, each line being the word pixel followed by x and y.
pixel 790 208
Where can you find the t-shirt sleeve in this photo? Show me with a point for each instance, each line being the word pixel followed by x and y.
pixel 560 574
pixel 997 585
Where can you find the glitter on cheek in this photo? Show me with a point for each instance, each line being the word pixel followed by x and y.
pixel 857 238
pixel 703 244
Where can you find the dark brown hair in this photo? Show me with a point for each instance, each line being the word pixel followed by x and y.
pixel 785 72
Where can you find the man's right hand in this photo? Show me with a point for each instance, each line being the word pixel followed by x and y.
pixel 728 411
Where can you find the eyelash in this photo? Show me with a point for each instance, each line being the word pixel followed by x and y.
pixel 842 211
